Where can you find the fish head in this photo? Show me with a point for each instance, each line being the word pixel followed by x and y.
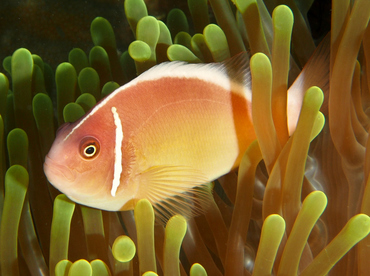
pixel 80 164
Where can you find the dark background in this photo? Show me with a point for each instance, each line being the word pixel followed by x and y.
pixel 51 28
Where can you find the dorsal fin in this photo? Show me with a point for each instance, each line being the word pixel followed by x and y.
pixel 235 69
pixel 238 69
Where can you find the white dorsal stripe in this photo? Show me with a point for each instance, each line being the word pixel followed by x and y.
pixel 215 73
pixel 117 152
pixel 209 72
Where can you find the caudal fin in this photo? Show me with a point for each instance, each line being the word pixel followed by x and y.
pixel 315 73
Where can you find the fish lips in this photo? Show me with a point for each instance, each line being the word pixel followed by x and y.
pixel 57 174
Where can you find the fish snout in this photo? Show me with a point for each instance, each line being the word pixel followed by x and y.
pixel 58 174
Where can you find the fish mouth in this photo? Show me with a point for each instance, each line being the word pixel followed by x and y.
pixel 56 173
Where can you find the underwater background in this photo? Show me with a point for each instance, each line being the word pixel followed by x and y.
pixel 297 205
pixel 53 28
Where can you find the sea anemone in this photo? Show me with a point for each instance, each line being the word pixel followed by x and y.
pixel 300 199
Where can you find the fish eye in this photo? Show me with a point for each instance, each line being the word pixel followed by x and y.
pixel 89 148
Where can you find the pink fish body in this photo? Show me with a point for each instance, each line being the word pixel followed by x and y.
pixel 175 127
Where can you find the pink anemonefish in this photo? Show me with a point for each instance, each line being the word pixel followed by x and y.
pixel 175 127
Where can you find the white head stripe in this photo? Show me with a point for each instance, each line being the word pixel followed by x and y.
pixel 117 151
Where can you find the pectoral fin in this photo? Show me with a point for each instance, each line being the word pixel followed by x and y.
pixel 174 190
